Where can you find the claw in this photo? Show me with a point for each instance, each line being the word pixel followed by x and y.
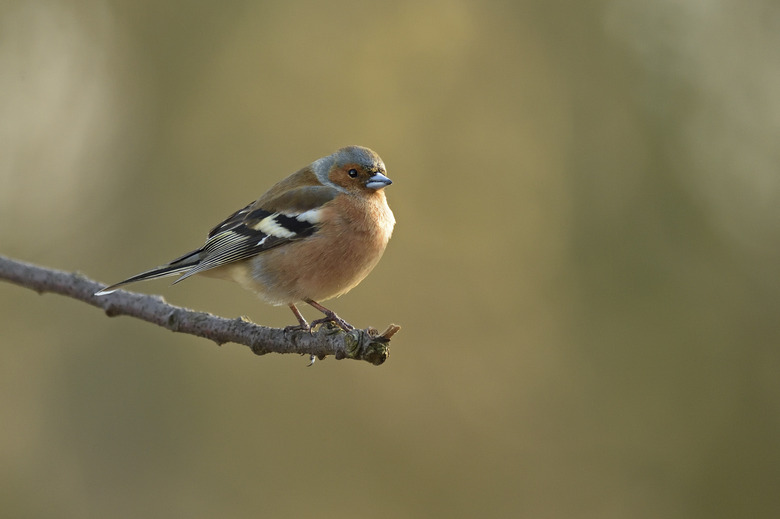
pixel 330 317
pixel 297 328
pixel 335 319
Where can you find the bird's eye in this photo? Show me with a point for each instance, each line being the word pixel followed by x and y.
pixel 352 173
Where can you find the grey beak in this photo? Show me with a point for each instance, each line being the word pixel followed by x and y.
pixel 378 181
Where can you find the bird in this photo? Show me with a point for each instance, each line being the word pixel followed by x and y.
pixel 311 237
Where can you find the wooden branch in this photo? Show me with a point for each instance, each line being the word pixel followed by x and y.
pixel 368 344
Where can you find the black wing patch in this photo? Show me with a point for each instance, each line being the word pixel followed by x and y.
pixel 235 241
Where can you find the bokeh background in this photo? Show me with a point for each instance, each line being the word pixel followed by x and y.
pixel 585 263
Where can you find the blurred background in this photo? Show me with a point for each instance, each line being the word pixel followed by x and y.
pixel 585 263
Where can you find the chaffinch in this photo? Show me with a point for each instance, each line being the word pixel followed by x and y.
pixel 313 236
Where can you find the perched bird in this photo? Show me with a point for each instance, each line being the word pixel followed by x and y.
pixel 313 236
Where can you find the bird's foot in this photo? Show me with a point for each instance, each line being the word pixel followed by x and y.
pixel 335 319
pixel 330 317
pixel 298 328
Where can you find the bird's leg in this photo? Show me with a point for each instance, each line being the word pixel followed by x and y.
pixel 302 324
pixel 330 316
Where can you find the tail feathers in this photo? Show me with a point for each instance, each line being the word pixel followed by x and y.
pixel 177 266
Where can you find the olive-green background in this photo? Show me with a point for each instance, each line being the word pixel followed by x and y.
pixel 585 263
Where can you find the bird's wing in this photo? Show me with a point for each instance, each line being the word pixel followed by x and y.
pixel 290 216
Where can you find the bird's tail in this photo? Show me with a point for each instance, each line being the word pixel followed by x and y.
pixel 178 266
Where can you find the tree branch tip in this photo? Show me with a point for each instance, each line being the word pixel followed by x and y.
pixel 389 332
